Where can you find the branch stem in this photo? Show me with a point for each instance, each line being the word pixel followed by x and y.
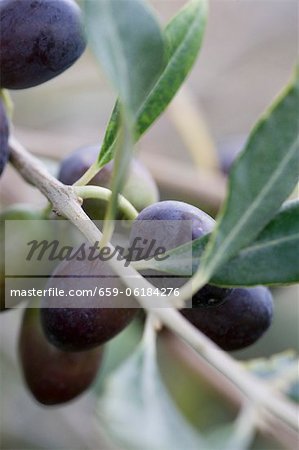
pixel 65 201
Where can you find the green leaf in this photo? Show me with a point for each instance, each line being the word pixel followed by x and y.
pixel 127 41
pixel 123 156
pixel 178 261
pixel 263 176
pixel 136 410
pixel 272 258
pixel 183 36
pixel 117 351
pixel 110 142
pixel 280 371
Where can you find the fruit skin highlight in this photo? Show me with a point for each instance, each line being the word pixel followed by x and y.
pixel 237 323
pixel 40 39
pixel 4 134
pixel 52 376
pixel 140 188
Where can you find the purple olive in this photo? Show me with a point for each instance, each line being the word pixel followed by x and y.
pixel 53 376
pixel 40 39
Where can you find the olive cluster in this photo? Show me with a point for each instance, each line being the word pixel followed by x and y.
pixel 61 349
pixel 233 318
pixel 66 344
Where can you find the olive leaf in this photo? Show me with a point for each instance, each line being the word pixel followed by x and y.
pixel 272 258
pixel 263 176
pixel 136 410
pixel 183 37
pixel 117 350
pixel 123 156
pixel 177 261
pixel 128 43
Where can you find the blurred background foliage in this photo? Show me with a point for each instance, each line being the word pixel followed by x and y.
pixel 247 56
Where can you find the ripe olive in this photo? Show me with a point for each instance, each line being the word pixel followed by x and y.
pixel 237 323
pixel 53 376
pixel 81 322
pixel 39 40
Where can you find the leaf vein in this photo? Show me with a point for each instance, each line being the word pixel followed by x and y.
pixel 270 243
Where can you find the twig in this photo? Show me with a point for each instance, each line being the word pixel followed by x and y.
pixel 203 187
pixel 271 427
pixel 189 121
pixel 101 193
pixel 199 366
pixel 278 430
pixel 65 202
